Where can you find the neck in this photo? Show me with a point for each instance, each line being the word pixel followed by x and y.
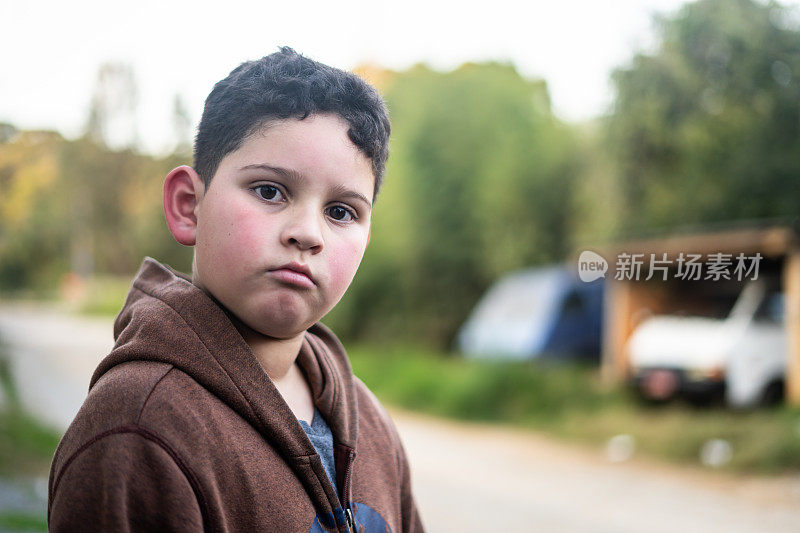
pixel 276 356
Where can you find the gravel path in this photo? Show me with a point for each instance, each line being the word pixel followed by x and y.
pixel 467 477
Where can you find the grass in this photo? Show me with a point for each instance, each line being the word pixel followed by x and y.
pixel 101 295
pixel 104 295
pixel 26 446
pixel 570 402
pixel 19 521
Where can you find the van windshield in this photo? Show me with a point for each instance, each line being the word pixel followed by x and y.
pixel 717 306
pixel 771 309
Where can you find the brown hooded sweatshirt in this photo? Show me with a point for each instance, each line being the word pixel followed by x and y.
pixel 183 430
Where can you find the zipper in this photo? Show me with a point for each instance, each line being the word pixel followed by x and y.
pixel 351 525
pixel 348 512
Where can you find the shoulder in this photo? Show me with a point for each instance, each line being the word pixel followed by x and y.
pixel 143 398
pixel 368 400
pixel 374 420
pixel 118 397
pixel 126 430
pixel 123 472
pixel 151 394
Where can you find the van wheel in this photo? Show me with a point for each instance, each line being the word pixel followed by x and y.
pixel 773 394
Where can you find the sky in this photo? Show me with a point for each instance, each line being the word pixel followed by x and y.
pixel 52 49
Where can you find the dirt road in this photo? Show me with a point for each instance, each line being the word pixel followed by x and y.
pixel 466 477
pixel 480 478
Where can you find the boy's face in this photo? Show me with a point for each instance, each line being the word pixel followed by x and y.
pixel 296 195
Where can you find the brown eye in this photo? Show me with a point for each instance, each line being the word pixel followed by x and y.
pixel 340 214
pixel 268 192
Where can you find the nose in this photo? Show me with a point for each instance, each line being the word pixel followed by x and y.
pixel 303 230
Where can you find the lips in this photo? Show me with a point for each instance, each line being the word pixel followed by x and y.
pixel 295 274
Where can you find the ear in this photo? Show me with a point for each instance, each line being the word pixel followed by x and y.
pixel 183 190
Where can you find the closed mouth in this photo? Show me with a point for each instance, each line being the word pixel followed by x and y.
pixel 295 273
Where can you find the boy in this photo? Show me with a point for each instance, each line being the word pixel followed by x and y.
pixel 225 405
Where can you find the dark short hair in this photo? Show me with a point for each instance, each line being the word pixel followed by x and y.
pixel 287 85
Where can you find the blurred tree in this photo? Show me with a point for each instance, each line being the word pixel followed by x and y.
pixel 93 173
pixel 598 201
pixel 33 212
pixel 181 127
pixel 707 128
pixel 78 206
pixel 112 110
pixel 90 205
pixel 116 213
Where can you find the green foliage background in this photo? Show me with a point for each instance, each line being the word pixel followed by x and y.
pixel 482 179
pixel 706 130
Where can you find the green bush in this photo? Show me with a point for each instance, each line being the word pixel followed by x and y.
pixel 571 402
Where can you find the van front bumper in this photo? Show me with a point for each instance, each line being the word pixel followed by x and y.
pixel 664 384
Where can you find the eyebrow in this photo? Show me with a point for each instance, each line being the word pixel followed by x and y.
pixel 285 172
pixel 344 192
pixel 294 175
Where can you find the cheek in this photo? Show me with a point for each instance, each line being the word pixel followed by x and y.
pixel 232 237
pixel 344 263
pixel 246 234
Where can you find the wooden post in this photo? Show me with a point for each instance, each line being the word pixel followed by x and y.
pixel 791 287
pixel 616 330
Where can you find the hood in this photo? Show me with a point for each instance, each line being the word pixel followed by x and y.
pixel 682 342
pixel 168 319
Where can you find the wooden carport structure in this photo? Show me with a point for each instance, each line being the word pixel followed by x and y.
pixel 625 299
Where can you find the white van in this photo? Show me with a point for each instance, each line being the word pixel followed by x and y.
pixel 741 358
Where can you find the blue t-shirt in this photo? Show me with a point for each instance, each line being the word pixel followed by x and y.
pixel 321 437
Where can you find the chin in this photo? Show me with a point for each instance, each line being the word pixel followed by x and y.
pixel 280 325
pixel 281 333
